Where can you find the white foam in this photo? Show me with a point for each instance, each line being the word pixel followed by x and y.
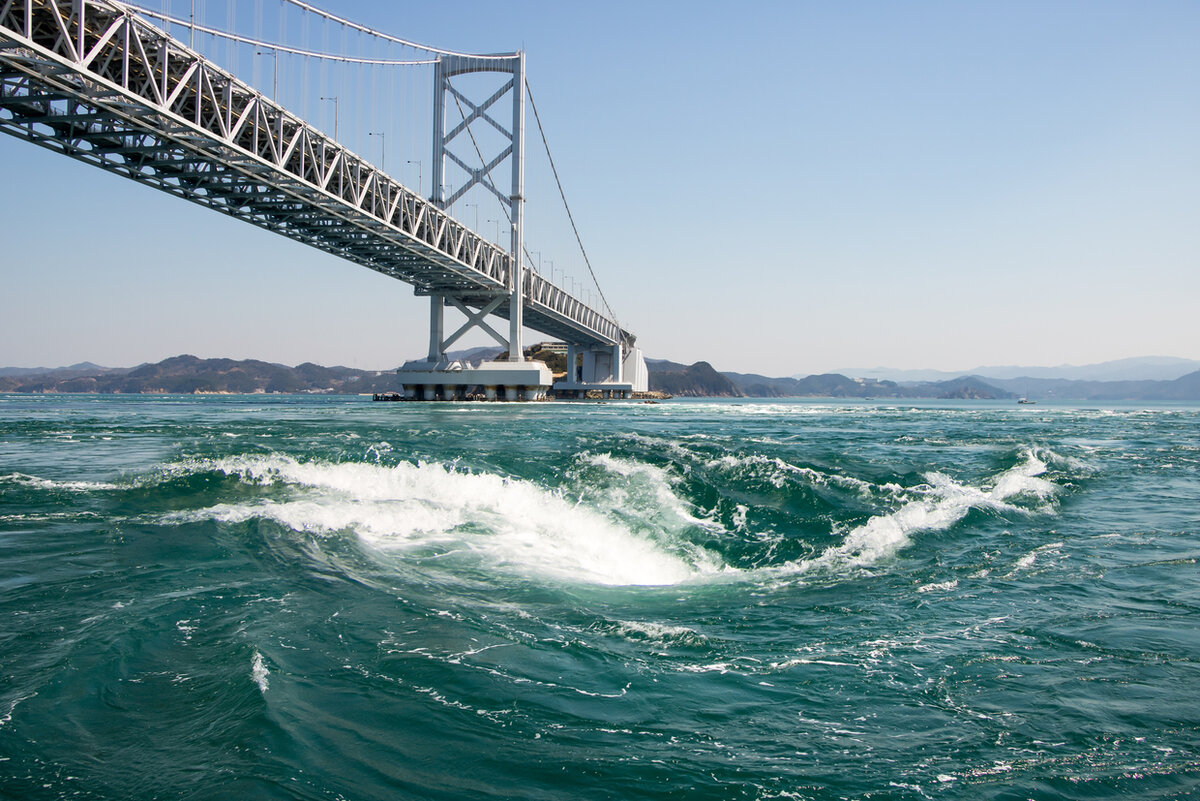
pixel 47 517
pixel 658 632
pixel 46 483
pixel 777 472
pixel 739 516
pixel 645 487
pixel 627 525
pixel 630 468
pixel 12 707
pixel 1027 561
pixel 804 660
pixel 715 667
pixel 935 507
pixel 259 672
pixel 508 523
pixel 758 409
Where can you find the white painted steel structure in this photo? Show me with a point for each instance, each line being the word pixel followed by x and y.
pixel 513 203
pixel 93 80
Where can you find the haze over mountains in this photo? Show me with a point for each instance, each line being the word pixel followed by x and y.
pixel 1151 378
pixel 74 368
pixel 1142 368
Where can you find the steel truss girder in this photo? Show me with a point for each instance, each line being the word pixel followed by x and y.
pixel 91 80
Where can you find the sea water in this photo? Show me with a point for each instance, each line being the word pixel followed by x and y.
pixel 326 598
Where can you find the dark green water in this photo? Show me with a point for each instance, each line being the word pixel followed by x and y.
pixel 314 598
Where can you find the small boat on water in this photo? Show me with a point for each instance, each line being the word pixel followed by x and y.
pixel 1025 400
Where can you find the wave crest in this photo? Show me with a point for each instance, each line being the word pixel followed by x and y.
pixel 436 509
pixel 937 506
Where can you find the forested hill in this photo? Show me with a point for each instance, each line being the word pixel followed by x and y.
pixel 701 379
pixel 189 374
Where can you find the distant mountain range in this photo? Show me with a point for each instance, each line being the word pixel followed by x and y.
pixel 1142 368
pixel 189 374
pixel 701 379
pixel 82 367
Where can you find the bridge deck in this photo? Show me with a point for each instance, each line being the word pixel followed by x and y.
pixel 95 82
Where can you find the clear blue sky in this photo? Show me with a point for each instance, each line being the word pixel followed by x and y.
pixel 780 188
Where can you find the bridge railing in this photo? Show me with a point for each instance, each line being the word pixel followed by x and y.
pixel 89 70
pixel 552 299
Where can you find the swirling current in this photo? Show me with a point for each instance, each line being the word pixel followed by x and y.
pixel 278 597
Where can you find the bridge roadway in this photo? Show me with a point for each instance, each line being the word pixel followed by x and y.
pixel 90 79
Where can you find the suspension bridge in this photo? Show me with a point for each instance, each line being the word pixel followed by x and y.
pixel 130 90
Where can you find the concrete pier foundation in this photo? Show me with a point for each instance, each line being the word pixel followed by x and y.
pixel 608 372
pixel 511 381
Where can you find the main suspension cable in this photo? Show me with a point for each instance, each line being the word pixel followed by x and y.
pixel 389 38
pixel 570 217
pixel 273 45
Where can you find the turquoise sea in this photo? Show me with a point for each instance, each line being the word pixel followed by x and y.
pixel 275 597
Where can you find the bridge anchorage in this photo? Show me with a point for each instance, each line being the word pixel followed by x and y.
pixel 96 80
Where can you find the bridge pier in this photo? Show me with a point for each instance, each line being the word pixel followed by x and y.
pixel 613 371
pixel 510 381
pixel 437 316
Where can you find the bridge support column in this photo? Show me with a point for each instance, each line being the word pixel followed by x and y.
pixel 611 371
pixel 516 308
pixel 516 315
pixel 437 312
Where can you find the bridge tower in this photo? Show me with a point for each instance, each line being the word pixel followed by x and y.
pixel 444 145
pixel 438 376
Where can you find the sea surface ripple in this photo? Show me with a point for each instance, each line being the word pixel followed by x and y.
pixel 280 597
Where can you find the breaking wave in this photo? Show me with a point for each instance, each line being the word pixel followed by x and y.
pixel 436 509
pixel 615 521
pixel 936 506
